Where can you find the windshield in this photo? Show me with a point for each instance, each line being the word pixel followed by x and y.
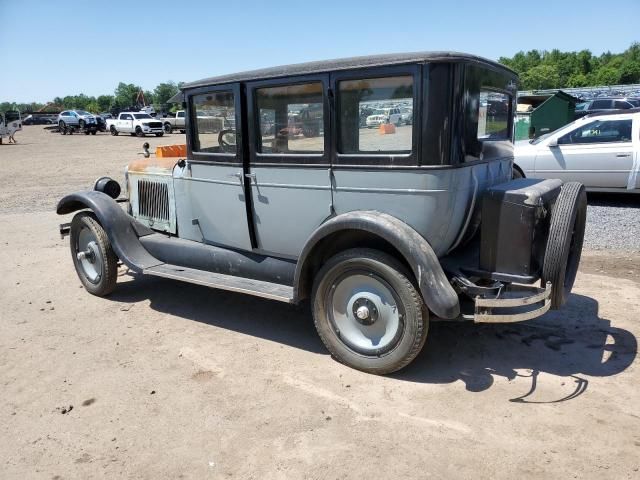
pixel 140 116
pixel 82 112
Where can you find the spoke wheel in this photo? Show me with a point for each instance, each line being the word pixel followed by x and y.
pixel 367 311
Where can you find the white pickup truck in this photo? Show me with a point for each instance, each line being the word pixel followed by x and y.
pixel 174 122
pixel 135 123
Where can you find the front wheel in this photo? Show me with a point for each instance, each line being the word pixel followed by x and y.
pixel 167 128
pixel 139 132
pixel 95 262
pixel 62 127
pixel 159 134
pixel 368 312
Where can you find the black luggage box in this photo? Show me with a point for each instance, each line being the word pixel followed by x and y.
pixel 515 226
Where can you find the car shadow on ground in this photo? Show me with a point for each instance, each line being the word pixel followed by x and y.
pixel 628 200
pixel 571 342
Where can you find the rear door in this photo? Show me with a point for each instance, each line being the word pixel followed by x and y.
pixel 289 162
pixel 598 153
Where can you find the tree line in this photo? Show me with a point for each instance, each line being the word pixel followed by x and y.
pixel 556 69
pixel 125 95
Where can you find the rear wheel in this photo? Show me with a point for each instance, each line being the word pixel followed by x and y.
pixel 93 132
pixel 62 127
pixel 564 246
pixel 367 311
pixel 95 262
pixel 159 134
pixel 167 128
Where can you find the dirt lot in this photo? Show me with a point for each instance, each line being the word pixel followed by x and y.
pixel 169 380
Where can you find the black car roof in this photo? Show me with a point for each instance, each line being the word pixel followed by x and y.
pixel 345 64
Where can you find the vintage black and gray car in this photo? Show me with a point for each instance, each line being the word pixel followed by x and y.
pixel 381 229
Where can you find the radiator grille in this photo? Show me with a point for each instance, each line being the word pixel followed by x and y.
pixel 153 198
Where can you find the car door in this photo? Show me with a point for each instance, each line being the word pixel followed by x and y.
pixel 211 203
pixel 598 154
pixel 125 123
pixel 289 167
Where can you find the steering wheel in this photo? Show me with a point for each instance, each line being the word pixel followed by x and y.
pixel 224 145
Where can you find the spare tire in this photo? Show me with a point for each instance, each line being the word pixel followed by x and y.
pixel 564 245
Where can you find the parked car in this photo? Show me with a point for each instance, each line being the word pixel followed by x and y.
pixel 69 120
pixel 599 150
pixel 378 231
pixel 106 115
pixel 598 105
pixel 174 121
pixel 385 115
pixel 135 123
pixel 38 120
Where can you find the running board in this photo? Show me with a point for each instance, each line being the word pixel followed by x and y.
pixel 258 288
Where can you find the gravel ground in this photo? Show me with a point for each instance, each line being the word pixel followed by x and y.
pixel 613 222
pixel 168 380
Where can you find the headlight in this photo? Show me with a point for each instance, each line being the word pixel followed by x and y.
pixel 107 185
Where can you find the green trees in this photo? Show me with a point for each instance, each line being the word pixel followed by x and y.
pixel 556 69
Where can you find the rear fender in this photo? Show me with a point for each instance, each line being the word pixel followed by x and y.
pixel 122 229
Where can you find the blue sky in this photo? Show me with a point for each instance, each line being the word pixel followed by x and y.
pixel 58 48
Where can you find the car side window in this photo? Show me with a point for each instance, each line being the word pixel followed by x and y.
pixel 365 107
pixel 214 122
pixel 601 104
pixel 180 114
pixel 291 119
pixel 599 131
pixel 493 115
pixel 621 104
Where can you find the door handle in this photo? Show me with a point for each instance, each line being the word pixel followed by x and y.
pixel 622 155
pixel 250 176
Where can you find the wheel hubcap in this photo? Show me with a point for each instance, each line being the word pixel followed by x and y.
pixel 365 313
pixel 89 256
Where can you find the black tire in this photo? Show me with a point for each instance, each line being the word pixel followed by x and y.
pixel 564 246
pixel 182 131
pixel 62 127
pixel 159 134
pixel 139 132
pixel 82 125
pixel 113 130
pixel 516 173
pixel 87 132
pixel 167 128
pixel 93 132
pixel 408 336
pixel 102 262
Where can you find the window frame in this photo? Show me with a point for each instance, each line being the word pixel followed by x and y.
pixel 191 126
pixel 562 144
pixel 253 120
pixel 510 114
pixel 373 159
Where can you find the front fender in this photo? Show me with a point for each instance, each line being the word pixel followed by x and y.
pixel 122 229
pixel 437 292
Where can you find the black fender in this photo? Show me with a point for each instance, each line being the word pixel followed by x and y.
pixel 437 292
pixel 122 229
